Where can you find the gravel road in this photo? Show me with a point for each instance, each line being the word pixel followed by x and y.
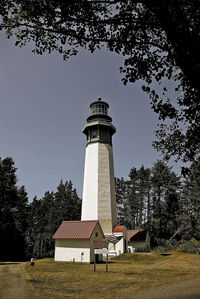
pixel 12 285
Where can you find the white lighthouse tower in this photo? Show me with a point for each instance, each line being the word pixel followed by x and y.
pixel 99 201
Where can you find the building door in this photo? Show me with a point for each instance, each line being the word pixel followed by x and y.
pixel 97 258
pixel 125 247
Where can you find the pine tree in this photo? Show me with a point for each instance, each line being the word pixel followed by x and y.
pixel 138 203
pixel 41 227
pixel 165 202
pixel 68 205
pixel 143 194
pixel 190 222
pixel 46 215
pixel 121 199
pixel 13 213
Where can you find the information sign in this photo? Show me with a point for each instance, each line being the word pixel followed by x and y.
pixel 99 244
pixel 101 251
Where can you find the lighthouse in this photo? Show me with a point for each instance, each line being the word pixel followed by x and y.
pixel 99 200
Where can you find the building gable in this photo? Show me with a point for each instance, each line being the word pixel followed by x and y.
pixel 137 235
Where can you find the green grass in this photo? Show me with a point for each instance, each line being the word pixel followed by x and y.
pixel 128 274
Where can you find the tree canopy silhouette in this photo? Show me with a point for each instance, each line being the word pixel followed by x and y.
pixel 159 39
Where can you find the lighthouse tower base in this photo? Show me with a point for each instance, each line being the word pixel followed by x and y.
pixel 99 201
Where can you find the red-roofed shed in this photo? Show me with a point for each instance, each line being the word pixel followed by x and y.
pixel 138 240
pixel 120 233
pixel 119 229
pixel 74 240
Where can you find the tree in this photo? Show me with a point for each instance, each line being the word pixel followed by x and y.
pixel 13 213
pixel 143 193
pixel 132 205
pixel 162 202
pixel 121 199
pixel 138 203
pixel 46 215
pixel 39 233
pixel 27 230
pixel 159 39
pixel 165 202
pixel 151 199
pixel 190 220
pixel 68 205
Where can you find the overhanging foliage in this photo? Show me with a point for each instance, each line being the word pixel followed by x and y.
pixel 159 39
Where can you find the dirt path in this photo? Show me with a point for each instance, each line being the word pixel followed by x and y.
pixel 12 285
pixel 188 289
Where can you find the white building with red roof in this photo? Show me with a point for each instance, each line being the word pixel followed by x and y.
pixel 138 240
pixel 74 241
pixel 117 241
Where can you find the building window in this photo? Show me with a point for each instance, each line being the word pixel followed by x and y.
pixel 94 134
pixel 99 108
pixel 96 234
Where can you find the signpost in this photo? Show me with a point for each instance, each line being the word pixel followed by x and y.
pixel 100 247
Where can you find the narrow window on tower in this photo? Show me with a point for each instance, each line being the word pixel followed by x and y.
pixel 94 133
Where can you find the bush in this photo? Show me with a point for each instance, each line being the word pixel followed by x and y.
pixel 160 249
pixel 138 250
pixel 168 246
pixel 190 246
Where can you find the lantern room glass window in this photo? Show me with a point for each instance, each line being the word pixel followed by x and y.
pixel 99 108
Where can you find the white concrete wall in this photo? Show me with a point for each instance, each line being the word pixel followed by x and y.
pixel 90 184
pixel 67 250
pixel 141 245
pixel 137 244
pixel 112 188
pixel 99 200
pixel 106 189
pixel 131 249
pixel 120 246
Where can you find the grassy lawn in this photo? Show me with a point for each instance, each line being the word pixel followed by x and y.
pixel 129 276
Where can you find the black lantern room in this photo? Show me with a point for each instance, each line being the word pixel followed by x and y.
pixel 98 127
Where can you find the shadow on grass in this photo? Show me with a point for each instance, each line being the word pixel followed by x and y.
pixel 100 263
pixel 34 280
pixel 9 263
pixel 165 254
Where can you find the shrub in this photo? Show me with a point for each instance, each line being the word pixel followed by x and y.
pixel 168 246
pixel 160 249
pixel 190 246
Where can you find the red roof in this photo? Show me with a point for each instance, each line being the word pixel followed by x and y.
pixel 76 229
pixel 136 235
pixel 119 229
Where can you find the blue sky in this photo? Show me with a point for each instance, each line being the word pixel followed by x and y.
pixel 44 103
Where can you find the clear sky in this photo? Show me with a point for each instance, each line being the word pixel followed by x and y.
pixel 44 103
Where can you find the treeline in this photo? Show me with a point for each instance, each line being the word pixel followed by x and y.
pixel 26 229
pixel 161 201
pixel 157 199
